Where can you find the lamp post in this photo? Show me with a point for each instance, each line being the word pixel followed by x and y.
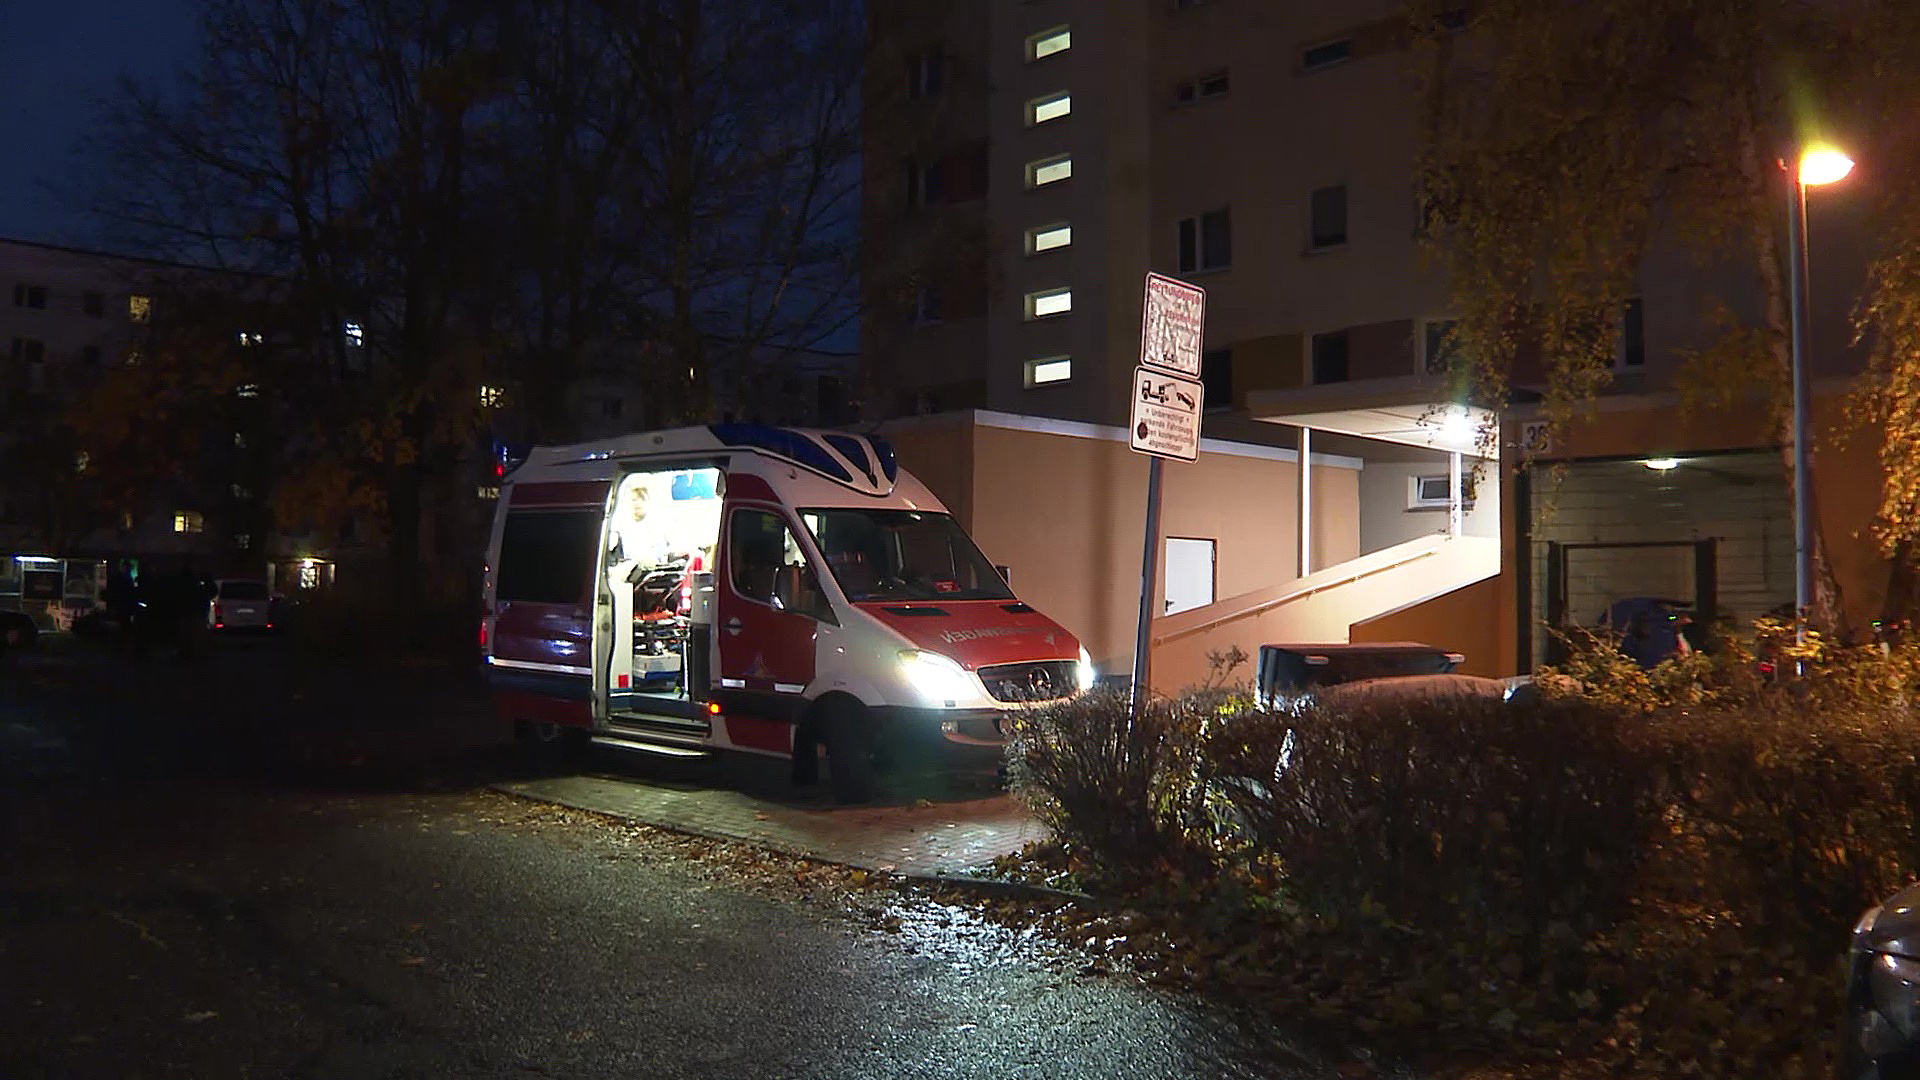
pixel 1818 165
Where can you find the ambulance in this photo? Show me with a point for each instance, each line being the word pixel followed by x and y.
pixel 743 587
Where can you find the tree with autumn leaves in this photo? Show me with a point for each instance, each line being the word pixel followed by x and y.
pixel 1568 141
pixel 508 194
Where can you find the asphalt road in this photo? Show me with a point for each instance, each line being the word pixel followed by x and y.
pixel 201 881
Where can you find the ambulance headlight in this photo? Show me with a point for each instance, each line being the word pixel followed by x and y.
pixel 1083 672
pixel 936 677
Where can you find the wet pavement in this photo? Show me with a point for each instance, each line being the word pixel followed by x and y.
pixel 208 876
pixel 958 833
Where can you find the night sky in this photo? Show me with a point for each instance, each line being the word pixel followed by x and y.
pixel 56 57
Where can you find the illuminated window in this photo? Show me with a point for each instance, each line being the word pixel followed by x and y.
pixel 247 390
pixel 356 337
pixel 490 396
pixel 242 541
pixel 1049 302
pixel 1051 369
pixel 1049 238
pixel 309 574
pixel 239 440
pixel 81 461
pixel 247 338
pixel 240 491
pixel 140 308
pixel 1049 170
pixel 1048 43
pixel 133 356
pixel 188 521
pixel 1052 107
pixel 489 491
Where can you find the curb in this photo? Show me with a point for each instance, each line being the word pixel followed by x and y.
pixel 995 888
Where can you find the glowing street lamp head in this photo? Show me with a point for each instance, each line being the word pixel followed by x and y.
pixel 1822 164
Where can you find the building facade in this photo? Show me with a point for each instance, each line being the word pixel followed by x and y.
pixel 1028 161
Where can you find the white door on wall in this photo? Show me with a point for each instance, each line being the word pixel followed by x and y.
pixel 1189 574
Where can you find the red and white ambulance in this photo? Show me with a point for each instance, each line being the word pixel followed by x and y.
pixel 753 588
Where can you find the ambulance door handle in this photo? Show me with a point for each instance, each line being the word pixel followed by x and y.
pixel 733 625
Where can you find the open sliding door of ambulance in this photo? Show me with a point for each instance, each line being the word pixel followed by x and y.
pixel 543 656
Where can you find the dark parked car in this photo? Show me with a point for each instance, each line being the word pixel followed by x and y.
pixel 1880 1039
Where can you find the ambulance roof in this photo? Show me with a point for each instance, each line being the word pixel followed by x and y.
pixel 855 463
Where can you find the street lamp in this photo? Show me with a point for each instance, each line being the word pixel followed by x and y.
pixel 1819 164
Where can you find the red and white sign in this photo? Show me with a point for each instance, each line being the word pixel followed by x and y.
pixel 1165 417
pixel 1172 325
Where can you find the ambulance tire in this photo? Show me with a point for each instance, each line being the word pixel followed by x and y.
pixel 547 748
pixel 849 732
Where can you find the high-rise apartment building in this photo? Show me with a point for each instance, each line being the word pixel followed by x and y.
pixel 1028 161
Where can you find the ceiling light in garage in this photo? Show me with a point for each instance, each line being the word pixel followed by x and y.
pixel 1662 464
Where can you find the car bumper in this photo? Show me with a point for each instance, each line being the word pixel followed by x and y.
pixel 960 727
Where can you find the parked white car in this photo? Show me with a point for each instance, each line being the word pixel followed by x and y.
pixel 240 604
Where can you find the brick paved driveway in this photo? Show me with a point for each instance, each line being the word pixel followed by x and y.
pixel 923 824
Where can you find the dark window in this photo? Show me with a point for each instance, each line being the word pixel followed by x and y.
pixel 1206 242
pixel 927 305
pixel 933 183
pixel 766 565
pixel 1452 19
pixel 1633 335
pixel 93 303
pixel 1330 357
pixel 1216 240
pixel 1440 346
pixel 611 408
pixel 30 296
pixel 926 73
pixel 546 556
pixel 902 555
pixel 1216 374
pixel 1327 55
pixel 911 168
pixel 1212 84
pixel 1328 213
pixel 29 350
pixel 830 400
pixel 90 354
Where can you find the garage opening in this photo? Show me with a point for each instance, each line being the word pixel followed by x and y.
pixel 1709 536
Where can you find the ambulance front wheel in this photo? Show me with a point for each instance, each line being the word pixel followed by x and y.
pixel 849 730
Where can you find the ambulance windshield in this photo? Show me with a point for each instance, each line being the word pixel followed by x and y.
pixel 881 556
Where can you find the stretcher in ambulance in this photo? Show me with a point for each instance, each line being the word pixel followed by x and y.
pixel 744 587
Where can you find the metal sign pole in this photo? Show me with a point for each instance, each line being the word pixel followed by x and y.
pixel 1149 570
pixel 1166 398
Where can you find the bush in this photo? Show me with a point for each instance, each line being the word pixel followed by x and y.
pixel 1653 869
pixel 1117 791
pixel 1460 816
